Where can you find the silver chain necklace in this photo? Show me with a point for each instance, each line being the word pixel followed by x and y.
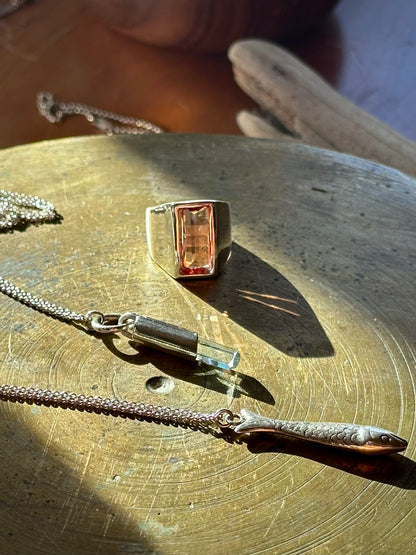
pixel 17 210
pixel 55 111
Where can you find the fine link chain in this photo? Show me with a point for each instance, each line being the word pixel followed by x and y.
pixel 110 123
pixel 39 304
pixel 114 407
pixel 18 209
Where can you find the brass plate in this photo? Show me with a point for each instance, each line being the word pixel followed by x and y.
pixel 319 296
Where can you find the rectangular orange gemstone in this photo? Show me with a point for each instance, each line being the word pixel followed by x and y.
pixel 195 239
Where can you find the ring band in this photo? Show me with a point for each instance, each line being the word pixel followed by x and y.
pixel 190 239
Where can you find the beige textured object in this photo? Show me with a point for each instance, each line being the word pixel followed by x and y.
pixel 309 109
pixel 318 297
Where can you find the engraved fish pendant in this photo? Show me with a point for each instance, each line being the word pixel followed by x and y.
pixel 363 439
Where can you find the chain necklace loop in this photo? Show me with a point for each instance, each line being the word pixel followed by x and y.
pixel 17 209
pixel 55 111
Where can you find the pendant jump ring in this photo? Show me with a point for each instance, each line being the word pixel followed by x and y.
pixel 127 319
pixel 225 418
pixel 104 323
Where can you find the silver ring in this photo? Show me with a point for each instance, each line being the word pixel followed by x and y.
pixel 190 239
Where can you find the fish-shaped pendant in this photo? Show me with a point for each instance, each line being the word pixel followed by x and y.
pixel 364 439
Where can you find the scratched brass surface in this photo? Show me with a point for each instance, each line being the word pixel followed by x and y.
pixel 319 297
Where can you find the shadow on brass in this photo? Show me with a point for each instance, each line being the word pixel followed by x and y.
pixel 261 300
pixel 394 469
pixel 232 383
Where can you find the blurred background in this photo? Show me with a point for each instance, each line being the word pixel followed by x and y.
pixel 166 60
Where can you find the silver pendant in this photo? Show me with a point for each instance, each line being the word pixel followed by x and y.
pixel 365 439
pixel 166 337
